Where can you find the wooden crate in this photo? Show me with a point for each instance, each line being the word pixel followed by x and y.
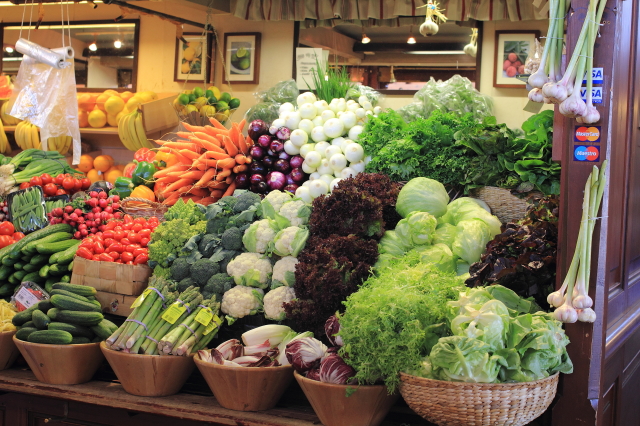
pixel 128 280
pixel 115 304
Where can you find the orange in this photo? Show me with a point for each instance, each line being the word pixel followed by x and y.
pixel 97 118
pixel 102 163
pixel 101 99
pixel 112 175
pixel 83 118
pixel 93 175
pixel 86 163
pixel 86 102
pixel 120 167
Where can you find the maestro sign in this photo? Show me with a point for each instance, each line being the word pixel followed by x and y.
pixel 586 153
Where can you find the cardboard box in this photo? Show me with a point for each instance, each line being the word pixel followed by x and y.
pixel 128 280
pixel 115 304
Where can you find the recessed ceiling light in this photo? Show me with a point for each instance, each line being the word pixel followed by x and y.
pixel 93 47
pixel 117 44
pixel 9 49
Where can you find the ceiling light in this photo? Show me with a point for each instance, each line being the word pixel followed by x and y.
pixel 117 44
pixel 93 47
pixel 365 39
pixel 411 39
pixel 436 52
pixel 9 49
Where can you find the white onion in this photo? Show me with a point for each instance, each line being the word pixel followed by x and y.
pixel 347 172
pixel 283 114
pixel 358 167
pixel 277 123
pixel 377 110
pixel 367 159
pixel 320 106
pixel 307 168
pixel 333 128
pixel 324 167
pixel 313 159
pixel 342 105
pixel 303 193
pixel 313 176
pixel 353 107
pixel 361 112
pixel 321 147
pixel 290 148
pixel 338 142
pixel 306 183
pixel 338 162
pixel 344 144
pixel 327 114
pixel 306 125
pixel 286 107
pixel 318 121
pixel 362 99
pixel 306 97
pixel 299 137
pixel 354 152
pixel 317 134
pixel 327 178
pixel 367 106
pixel 348 119
pixel 292 119
pixel 351 101
pixel 307 111
pixel 354 132
pixel 334 183
pixel 306 148
pixel 318 187
pixel 331 150
pixel 339 114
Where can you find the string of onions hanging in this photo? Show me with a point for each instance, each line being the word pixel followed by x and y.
pixel 433 15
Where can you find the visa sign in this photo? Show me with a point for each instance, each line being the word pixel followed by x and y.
pixel 596 94
pixel 597 76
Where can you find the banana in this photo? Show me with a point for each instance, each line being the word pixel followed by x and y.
pixel 16 135
pixel 142 135
pixel 5 148
pixel 29 136
pixel 35 137
pixel 25 135
pixel 122 132
pixel 67 145
pixel 131 126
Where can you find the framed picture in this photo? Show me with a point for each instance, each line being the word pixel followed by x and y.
pixel 242 57
pixel 511 51
pixel 194 58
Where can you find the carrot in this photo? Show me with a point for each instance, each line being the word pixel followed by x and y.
pixel 175 185
pixel 234 135
pixel 223 174
pixel 209 146
pixel 230 190
pixel 229 180
pixel 182 146
pixel 206 177
pixel 241 124
pixel 199 192
pixel 217 155
pixel 190 154
pixel 214 184
pixel 166 179
pixel 171 199
pixel 193 128
pixel 227 163
pixel 239 168
pixel 214 131
pixel 217 193
pixel 243 146
pixel 165 172
pixel 184 135
pixel 193 174
pixel 232 150
pixel 207 137
pixel 215 123
pixel 240 159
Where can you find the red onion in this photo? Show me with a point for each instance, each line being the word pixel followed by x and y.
pixel 283 133
pixel 257 128
pixel 297 175
pixel 283 155
pixel 264 141
pixel 282 166
pixel 256 179
pixel 242 181
pixel 257 167
pixel 296 161
pixel 260 188
pixel 276 146
pixel 291 188
pixel 276 180
pixel 269 161
pixel 256 152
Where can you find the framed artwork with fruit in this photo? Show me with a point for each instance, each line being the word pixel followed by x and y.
pixel 242 57
pixel 194 57
pixel 512 49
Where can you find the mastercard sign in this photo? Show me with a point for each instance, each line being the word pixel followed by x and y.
pixel 587 134
pixel 586 153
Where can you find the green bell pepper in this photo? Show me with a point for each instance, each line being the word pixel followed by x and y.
pixel 123 187
pixel 143 174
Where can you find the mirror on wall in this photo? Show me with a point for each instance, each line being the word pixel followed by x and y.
pixel 106 52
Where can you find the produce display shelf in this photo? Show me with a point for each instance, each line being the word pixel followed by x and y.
pixel 83 130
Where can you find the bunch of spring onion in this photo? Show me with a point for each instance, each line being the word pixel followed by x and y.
pixel 572 301
pixel 30 163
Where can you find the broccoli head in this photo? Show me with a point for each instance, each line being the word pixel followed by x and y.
pixel 180 269
pixel 217 225
pixel 228 202
pixel 202 270
pixel 246 200
pixel 185 284
pixel 219 284
pixel 232 239
pixel 208 244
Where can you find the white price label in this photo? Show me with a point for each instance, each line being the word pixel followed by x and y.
pixel 26 298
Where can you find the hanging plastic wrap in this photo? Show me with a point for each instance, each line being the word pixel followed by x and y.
pixel 271 99
pixel 45 94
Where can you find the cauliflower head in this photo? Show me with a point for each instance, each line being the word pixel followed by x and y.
pixel 290 241
pixel 257 237
pixel 284 272
pixel 274 300
pixel 272 203
pixel 296 213
pixel 241 301
pixel 251 270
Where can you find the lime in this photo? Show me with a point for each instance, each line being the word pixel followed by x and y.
pixel 213 100
pixel 222 106
pixel 244 63
pixel 183 99
pixel 208 93
pixel 224 97
pixel 198 92
pixel 192 98
pixel 234 103
pixel 234 57
pixel 241 52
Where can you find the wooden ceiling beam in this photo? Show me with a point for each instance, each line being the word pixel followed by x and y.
pixel 335 43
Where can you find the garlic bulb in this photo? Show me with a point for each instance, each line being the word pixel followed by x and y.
pixel 429 28
pixel 471 50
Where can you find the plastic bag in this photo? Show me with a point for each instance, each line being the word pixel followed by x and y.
pixel 359 90
pixel 27 209
pixel 532 63
pixel 455 95
pixel 27 295
pixel 271 99
pixel 54 110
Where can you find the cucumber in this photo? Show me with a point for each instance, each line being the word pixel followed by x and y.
pixel 72 304
pixel 19 275
pixel 6 289
pixel 75 330
pixel 82 290
pixel 105 329
pixel 13 280
pixel 8 260
pixel 18 266
pixel 80 340
pixel 33 276
pixel 57 269
pixel 70 266
pixel 22 317
pixel 16 248
pixel 5 272
pixel 23 333
pixel 51 337
pixel 58 236
pixel 65 257
pixel 96 340
pixel 39 259
pixel 51 248
pixel 25 259
pixel 69 294
pixel 29 324
pixel 48 285
pixel 75 317
pixel 30 267
pixel 40 319
pixel 44 271
pixel 65 279
pixel 45 305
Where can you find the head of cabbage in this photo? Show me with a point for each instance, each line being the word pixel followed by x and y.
pixel 422 195
pixel 418 228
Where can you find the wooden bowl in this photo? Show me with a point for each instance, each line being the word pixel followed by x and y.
pixel 61 364
pixel 149 375
pixel 367 406
pixel 8 350
pixel 246 388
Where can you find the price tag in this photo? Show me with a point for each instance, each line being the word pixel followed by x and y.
pixel 215 323
pixel 204 316
pixel 141 298
pixel 26 298
pixel 174 312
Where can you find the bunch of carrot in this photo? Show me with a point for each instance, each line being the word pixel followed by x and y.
pixel 209 158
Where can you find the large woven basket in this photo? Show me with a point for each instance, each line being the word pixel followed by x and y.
pixel 144 208
pixel 478 404
pixel 503 204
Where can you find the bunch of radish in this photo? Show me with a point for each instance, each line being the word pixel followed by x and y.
pixel 88 216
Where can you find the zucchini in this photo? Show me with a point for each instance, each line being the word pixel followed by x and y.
pixel 69 294
pixel 45 305
pixel 18 266
pixel 22 317
pixel 30 248
pixel 105 329
pixel 30 267
pixel 80 340
pixel 40 319
pixel 32 276
pixel 39 259
pixel 82 290
pixel 51 248
pixel 5 272
pixel 51 337
pixel 72 304
pixel 75 330
pixel 66 256
pixel 16 249
pixel 75 317
pixel 24 332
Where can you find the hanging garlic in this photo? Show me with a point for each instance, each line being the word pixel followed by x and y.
pixel 433 15
pixel 471 49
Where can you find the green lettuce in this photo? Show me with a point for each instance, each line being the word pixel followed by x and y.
pixel 417 228
pixel 392 244
pixel 445 234
pixel 489 324
pixel 439 255
pixel 422 195
pixel 471 240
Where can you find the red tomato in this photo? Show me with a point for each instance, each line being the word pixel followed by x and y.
pixel 119 261
pixel 104 257
pixel 107 233
pixel 96 258
pixel 46 178
pixel 117 247
pixel 77 185
pixel 140 259
pixel 144 242
pixel 88 243
pixel 136 227
pixel 25 185
pixel 145 233
pixel 126 256
pixel 134 238
pixel 110 226
pixel 6 240
pixel 68 184
pixel 61 192
pixel 140 220
pixel 153 220
pixel 127 226
pixel 118 235
pixel 58 179
pixel 6 228
pixel 84 252
pixel 118 227
pixel 137 252
pixel 86 183
pixel 128 263
pixel 35 181
pixel 114 255
pixel 98 247
pixel 17 236
pixel 107 242
pixel 50 189
pixel 127 218
pixel 125 241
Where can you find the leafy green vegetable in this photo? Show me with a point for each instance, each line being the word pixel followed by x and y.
pixel 391 244
pixel 445 234
pixel 439 255
pixel 417 228
pixel 422 195
pixel 471 239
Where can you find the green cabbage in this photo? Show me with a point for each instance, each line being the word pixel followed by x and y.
pixel 392 244
pixel 440 256
pixel 471 240
pixel 489 324
pixel 445 234
pixel 462 267
pixel 416 229
pixel 466 208
pixel 422 195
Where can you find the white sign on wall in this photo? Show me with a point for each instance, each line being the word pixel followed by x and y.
pixel 306 63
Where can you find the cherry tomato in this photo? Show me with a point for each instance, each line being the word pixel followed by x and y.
pixel 145 233
pixel 127 226
pixel 118 235
pixel 109 241
pixel 117 247
pixel 125 241
pixel 86 183
pixel 114 255
pixel 77 185
pixel 138 251
pixel 110 226
pixel 153 220
pixel 144 242
pixel 140 220
pixel 107 233
pixel 17 236
pixel 134 238
pixel 128 219
pixel 87 243
pixel 35 181
pixel 104 257
pixel 136 227
pixel 96 258
pixel 98 247
pixel 6 228
pixel 25 185
pixel 46 178
pixel 69 184
pixel 118 228
pixel 61 192
pixel 140 259
pixel 58 179
pixel 126 256
pixel 85 253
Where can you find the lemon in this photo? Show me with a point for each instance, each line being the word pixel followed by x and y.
pixel 134 102
pixel 186 67
pixel 111 92
pixel 189 53
pixel 183 99
pixel 114 105
pixel 191 108
pixel 221 117
pixel 101 100
pixel 119 116
pixel 145 96
pixel 97 118
pixel 112 120
pixel 215 90
pixel 200 102
pixel 208 111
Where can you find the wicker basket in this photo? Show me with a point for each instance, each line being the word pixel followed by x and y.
pixel 143 207
pixel 503 204
pixel 478 404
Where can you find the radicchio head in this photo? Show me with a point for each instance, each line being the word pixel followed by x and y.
pixel 305 354
pixel 334 370
pixel 331 328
